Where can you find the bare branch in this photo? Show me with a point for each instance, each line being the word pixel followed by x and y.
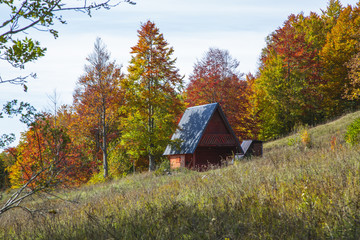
pixel 14 16
pixel 16 198
pixel 21 80
pixel 11 31
pixel 55 8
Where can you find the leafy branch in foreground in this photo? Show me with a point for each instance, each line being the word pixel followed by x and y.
pixel 40 15
pixel 27 115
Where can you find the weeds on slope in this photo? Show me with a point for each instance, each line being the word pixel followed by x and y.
pixel 292 192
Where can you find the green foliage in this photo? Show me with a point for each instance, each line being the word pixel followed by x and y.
pixel 287 86
pixel 293 141
pixel 341 45
pixel 6 139
pixel 352 135
pixel 98 178
pixel 120 163
pixel 163 168
pixel 152 97
pixel 309 70
pixel 3 173
pixel 23 51
pixel 22 16
pixel 12 108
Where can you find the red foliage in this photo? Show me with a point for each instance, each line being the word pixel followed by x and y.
pixel 215 78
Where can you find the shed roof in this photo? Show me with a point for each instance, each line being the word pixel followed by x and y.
pixel 192 126
pixel 245 145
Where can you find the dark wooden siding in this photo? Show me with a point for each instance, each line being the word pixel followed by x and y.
pixel 257 148
pixel 216 125
pixel 216 133
pixel 212 156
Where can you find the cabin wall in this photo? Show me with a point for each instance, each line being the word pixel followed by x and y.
pixel 177 161
pixel 216 145
pixel 255 149
pixel 184 160
pixel 212 156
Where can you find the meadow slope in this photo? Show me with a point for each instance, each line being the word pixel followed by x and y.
pixel 292 192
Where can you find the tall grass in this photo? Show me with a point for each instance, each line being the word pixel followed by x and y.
pixel 292 192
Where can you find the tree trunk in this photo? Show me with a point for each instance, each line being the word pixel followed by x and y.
pixel 104 148
pixel 151 145
pixel 151 162
pixel 105 160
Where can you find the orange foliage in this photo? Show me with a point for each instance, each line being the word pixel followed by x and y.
pixel 47 152
pixel 97 99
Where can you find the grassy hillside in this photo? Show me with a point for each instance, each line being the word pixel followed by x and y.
pixel 292 192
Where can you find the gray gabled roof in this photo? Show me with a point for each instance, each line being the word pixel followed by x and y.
pixel 191 128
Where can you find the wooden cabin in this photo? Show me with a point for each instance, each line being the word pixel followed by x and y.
pixel 204 138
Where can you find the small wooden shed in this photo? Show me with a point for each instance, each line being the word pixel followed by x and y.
pixel 252 148
pixel 204 137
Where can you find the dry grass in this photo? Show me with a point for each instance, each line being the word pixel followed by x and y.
pixel 293 192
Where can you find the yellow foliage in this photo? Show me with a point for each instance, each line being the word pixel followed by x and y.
pixel 306 138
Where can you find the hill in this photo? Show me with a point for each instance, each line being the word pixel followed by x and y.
pixel 295 191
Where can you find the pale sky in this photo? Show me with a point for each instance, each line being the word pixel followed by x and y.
pixel 190 27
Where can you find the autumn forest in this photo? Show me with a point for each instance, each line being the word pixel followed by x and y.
pixel 120 123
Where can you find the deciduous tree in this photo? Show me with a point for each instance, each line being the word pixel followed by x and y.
pixel 216 78
pixel 97 98
pixel 45 158
pixel 353 89
pixel 342 44
pixel 289 78
pixel 48 149
pixel 152 97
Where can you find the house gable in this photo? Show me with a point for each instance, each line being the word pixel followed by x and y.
pixel 217 132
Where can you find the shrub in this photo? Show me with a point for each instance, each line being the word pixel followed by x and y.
pixel 163 168
pixel 293 141
pixel 306 138
pixel 97 178
pixel 301 139
pixel 352 135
